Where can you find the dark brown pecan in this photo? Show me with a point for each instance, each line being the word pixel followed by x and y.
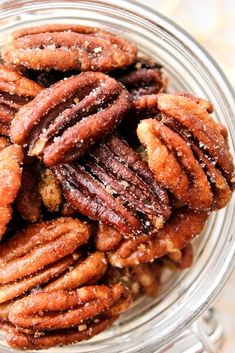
pixel 176 234
pixel 38 254
pixel 115 186
pixel 188 152
pixel 28 202
pixel 142 78
pixel 64 120
pixel 68 47
pixel 15 91
pixel 11 157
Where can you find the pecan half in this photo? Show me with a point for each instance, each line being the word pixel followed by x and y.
pixel 10 179
pixel 107 237
pixel 68 47
pixel 64 120
pixel 180 259
pixel 28 202
pixel 38 253
pixel 188 153
pixel 143 78
pixel 115 186
pixel 176 234
pixel 15 91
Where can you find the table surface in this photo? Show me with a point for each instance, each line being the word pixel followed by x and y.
pixel 212 23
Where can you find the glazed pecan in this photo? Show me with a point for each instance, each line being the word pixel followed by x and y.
pixel 50 191
pixel 38 254
pixel 63 309
pixel 19 339
pixel 107 237
pixel 28 202
pixel 143 78
pixel 10 179
pixel 15 91
pixel 140 279
pixel 180 259
pixel 115 186
pixel 68 47
pixel 188 153
pixel 176 234
pixel 64 120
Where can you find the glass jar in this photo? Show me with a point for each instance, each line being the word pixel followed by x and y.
pixel 152 325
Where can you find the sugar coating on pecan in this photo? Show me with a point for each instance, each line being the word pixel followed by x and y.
pixel 15 91
pixel 50 191
pixel 188 153
pixel 182 227
pixel 107 237
pixel 68 47
pixel 10 179
pixel 69 308
pixel 28 202
pixel 27 259
pixel 64 120
pixel 115 186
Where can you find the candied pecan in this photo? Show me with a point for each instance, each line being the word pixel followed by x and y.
pixel 67 210
pixel 50 191
pixel 181 259
pixel 15 91
pixel 115 186
pixel 28 202
pixel 64 120
pixel 39 253
pixel 10 179
pixel 68 47
pixel 107 238
pixel 140 279
pixel 18 339
pixel 143 78
pixel 188 152
pixel 63 309
pixel 177 232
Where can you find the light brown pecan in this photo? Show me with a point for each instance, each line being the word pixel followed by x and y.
pixel 180 259
pixel 107 237
pixel 182 227
pixel 40 340
pixel 50 191
pixel 141 279
pixel 15 91
pixel 39 253
pixel 28 202
pixel 115 186
pixel 10 179
pixel 64 120
pixel 188 153
pixel 68 47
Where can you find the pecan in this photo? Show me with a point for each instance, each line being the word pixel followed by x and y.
pixel 180 259
pixel 64 120
pixel 107 238
pixel 69 308
pixel 68 47
pixel 10 179
pixel 39 253
pixel 28 202
pixel 141 279
pixel 142 78
pixel 188 153
pixel 176 234
pixel 50 191
pixel 115 186
pixel 15 91
pixel 20 340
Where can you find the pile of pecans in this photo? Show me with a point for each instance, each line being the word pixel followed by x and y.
pixel 105 178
